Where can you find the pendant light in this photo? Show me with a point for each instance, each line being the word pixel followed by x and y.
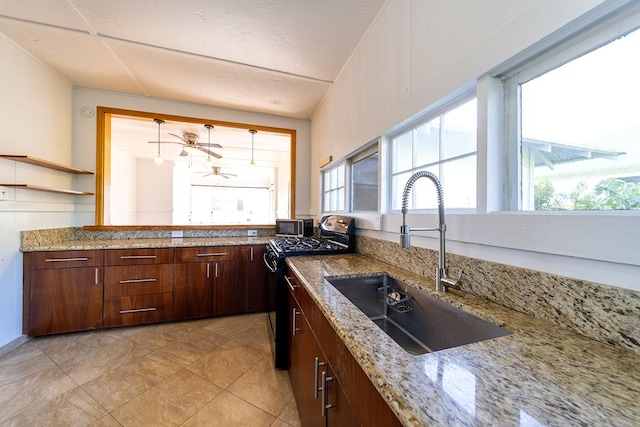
pixel 209 127
pixel 159 160
pixel 253 134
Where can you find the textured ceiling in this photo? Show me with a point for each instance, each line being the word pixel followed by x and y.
pixel 270 56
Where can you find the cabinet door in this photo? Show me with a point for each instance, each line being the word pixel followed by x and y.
pixel 256 286
pixel 337 408
pixel 303 350
pixel 192 290
pixel 65 300
pixel 227 295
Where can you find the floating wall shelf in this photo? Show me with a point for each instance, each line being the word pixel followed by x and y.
pixel 49 165
pixel 51 190
pixel 45 164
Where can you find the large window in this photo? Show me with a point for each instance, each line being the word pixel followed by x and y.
pixel 580 130
pixel 444 144
pixel 334 188
pixel 364 183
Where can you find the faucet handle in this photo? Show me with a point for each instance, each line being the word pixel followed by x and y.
pixel 452 283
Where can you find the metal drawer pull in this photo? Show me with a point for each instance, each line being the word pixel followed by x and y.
pixel 251 253
pixel 291 285
pixel 293 317
pixel 325 405
pixel 318 363
pixel 137 280
pixel 216 254
pixel 65 259
pixel 137 310
pixel 97 276
pixel 138 257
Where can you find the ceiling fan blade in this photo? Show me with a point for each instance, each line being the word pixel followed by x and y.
pixel 211 153
pixel 165 142
pixel 179 137
pixel 228 175
pixel 211 145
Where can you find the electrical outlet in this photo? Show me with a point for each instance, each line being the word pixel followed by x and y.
pixel 252 233
pixel 3 193
pixel 176 234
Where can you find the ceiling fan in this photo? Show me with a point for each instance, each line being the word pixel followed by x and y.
pixel 190 143
pixel 215 170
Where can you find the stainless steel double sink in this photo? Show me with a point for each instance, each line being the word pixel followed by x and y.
pixel 417 321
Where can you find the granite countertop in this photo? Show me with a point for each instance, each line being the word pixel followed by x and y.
pixel 540 375
pixel 143 243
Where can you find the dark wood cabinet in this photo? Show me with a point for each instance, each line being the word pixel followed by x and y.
pixel 192 291
pixel 255 295
pixel 318 393
pixel 348 396
pixel 63 291
pixel 303 350
pixel 76 290
pixel 229 279
pixel 219 281
pixel 138 286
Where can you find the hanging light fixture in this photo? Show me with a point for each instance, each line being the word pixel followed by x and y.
pixel 209 127
pixel 159 160
pixel 253 134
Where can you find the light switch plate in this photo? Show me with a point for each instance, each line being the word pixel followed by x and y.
pixel 252 233
pixel 176 234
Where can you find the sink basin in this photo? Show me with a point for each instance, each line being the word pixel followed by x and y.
pixel 417 321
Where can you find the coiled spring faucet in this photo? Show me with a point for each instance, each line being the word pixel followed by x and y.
pixel 443 282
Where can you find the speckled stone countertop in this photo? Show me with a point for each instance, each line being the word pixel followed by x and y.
pixel 540 375
pixel 75 245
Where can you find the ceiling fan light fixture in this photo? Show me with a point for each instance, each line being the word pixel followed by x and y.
pixel 158 159
pixel 209 127
pixel 253 132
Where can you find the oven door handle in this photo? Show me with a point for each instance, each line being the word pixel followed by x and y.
pixel 268 264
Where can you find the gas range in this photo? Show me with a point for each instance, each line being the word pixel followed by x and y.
pixel 336 236
pixel 291 246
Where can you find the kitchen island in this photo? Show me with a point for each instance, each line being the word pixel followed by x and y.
pixel 540 375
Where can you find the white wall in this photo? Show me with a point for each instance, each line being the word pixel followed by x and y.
pixel 421 51
pixel 123 189
pixel 154 204
pixel 35 120
pixel 84 135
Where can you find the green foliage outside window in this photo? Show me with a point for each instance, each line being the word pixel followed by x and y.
pixel 609 194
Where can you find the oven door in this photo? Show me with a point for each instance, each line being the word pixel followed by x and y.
pixel 277 306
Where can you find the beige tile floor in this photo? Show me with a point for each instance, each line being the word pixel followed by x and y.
pixel 210 372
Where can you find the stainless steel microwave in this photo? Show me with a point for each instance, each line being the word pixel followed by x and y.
pixel 294 227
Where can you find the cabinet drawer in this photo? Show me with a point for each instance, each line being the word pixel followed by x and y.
pixel 64 259
pixel 208 253
pixel 131 310
pixel 138 256
pixel 294 286
pixel 138 280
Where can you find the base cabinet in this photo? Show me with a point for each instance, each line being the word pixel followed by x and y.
pixel 138 286
pixel 329 386
pixel 255 297
pixel 75 290
pixel 62 292
pixel 319 395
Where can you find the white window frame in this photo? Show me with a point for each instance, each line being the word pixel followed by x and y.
pixel 576 43
pixel 367 152
pixel 345 186
pixel 442 109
